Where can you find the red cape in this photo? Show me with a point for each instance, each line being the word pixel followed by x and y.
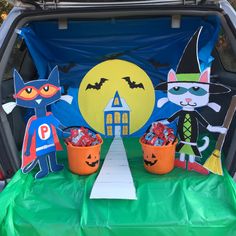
pixel 26 160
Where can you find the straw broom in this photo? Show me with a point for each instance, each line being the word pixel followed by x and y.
pixel 213 163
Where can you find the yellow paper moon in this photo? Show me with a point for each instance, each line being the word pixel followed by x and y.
pixel 92 102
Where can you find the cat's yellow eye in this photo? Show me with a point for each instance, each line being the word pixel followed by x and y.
pixel 28 93
pixel 48 90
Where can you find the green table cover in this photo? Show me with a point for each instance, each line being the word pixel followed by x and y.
pixel 178 203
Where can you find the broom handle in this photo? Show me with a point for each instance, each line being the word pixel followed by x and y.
pixel 228 118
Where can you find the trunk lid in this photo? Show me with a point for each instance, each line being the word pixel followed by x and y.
pixel 49 4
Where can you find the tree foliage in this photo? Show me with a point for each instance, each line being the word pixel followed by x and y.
pixel 233 3
pixel 5 7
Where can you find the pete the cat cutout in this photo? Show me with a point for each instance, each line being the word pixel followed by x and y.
pixel 40 141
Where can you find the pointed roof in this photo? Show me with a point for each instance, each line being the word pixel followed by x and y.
pixel 117 96
pixel 122 106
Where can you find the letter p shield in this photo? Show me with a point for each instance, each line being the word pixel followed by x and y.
pixel 44 131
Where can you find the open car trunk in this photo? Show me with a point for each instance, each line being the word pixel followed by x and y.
pixel 142 47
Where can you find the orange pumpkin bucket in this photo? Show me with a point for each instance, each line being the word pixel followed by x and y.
pixel 158 159
pixel 84 160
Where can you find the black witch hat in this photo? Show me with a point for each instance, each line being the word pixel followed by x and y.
pixel 189 70
pixel 189 63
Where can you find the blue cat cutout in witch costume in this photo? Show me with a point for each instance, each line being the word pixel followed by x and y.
pixel 40 141
pixel 190 88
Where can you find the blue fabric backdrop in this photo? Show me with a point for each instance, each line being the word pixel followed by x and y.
pixel 150 43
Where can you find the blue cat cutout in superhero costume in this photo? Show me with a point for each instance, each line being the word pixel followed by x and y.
pixel 190 88
pixel 41 141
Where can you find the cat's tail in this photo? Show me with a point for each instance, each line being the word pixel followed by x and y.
pixel 205 145
pixel 29 167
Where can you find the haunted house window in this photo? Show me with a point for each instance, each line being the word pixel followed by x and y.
pixel 109 119
pixel 116 102
pixel 125 118
pixel 117 117
pixel 125 130
pixel 109 130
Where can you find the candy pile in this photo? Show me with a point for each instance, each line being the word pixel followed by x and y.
pixel 159 135
pixel 82 137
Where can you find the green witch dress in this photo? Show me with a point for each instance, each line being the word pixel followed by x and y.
pixel 188 131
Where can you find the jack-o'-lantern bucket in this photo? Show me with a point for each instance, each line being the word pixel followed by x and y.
pixel 159 159
pixel 84 160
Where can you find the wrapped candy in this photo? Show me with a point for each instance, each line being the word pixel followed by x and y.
pixel 159 135
pixel 82 137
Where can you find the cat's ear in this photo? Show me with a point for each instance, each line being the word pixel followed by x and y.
pixel 53 78
pixel 172 76
pixel 18 81
pixel 205 76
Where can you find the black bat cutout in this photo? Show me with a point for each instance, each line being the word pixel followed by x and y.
pixel 97 85
pixel 67 68
pixel 133 84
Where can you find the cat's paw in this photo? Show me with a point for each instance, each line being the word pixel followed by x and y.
pixel 223 130
pixel 217 129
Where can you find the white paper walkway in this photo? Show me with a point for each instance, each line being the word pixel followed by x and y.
pixel 114 180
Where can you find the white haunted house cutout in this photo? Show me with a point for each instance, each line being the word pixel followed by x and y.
pixel 117 117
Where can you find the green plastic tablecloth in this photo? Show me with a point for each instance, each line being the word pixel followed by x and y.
pixel 178 203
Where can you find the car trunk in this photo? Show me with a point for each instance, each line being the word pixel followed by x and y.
pixel 76 40
pixel 151 38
